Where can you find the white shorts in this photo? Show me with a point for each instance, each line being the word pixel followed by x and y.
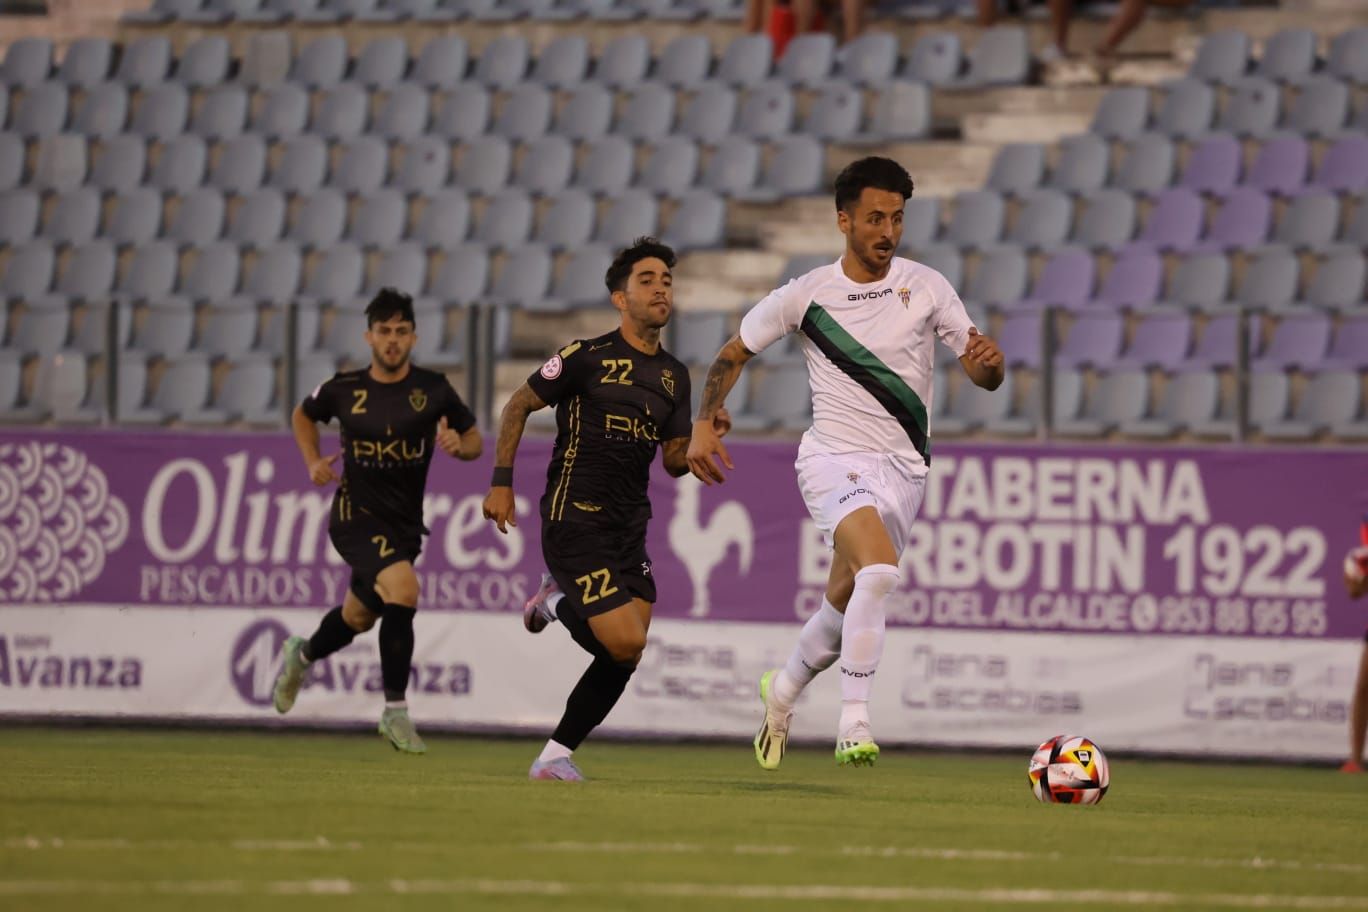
pixel 834 485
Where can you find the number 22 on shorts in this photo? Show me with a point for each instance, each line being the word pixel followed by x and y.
pixel 603 577
pixel 383 542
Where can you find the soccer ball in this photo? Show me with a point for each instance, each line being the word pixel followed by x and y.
pixel 1356 564
pixel 1068 769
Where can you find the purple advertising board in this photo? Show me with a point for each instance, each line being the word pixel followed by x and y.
pixel 1103 539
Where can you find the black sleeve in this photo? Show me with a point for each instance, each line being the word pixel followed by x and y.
pixel 320 404
pixel 680 422
pixel 458 415
pixel 564 374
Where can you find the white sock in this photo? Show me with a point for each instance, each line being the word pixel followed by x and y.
pixel 552 601
pixel 396 704
pixel 554 750
pixel 863 640
pixel 819 643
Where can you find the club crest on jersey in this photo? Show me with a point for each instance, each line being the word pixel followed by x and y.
pixel 418 399
pixel 905 295
pixel 854 477
pixel 667 381
pixel 552 368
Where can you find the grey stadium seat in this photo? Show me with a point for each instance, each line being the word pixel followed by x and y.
pixel 1321 108
pixel 525 277
pixel 902 111
pixel 734 166
pixel 1001 56
pixel 836 113
pixel 587 114
pixel 275 275
pixel 921 221
pixel 445 220
pixel 182 392
pixel 811 61
pixel 42 111
pixel 1000 278
pixel 259 219
pixel 977 218
pixel 1252 108
pixel 1309 222
pixel 462 276
pixel 18 216
pixel 88 274
pixel 1339 281
pixel 205 62
pixel 795 168
pixel 699 221
pixel 167 330
pixel 248 391
pixel 563 63
pixel 43 328
pixel 935 59
pixel 779 398
pixel 1270 280
pixel 526 113
pixel 102 113
pixel 1017 168
pixel 568 221
pixel 1118 398
pixel 972 407
pixel 151 275
pixel 181 164
pixel 378 221
pixel 1268 396
pixel 241 165
pixel 1188 399
pixel 285 112
pixel 404 114
pixel 580 282
pixel 403 267
pixel 1330 400
pixel 1348 58
pixel 1201 281
pixel 162 113
pixel 746 61
pixel 28 62
pixel 1123 113
pixel 363 166
pixel 1108 220
pixel 62 162
pixel 671 168
pixel 337 274
pixel 319 222
pixel 75 217
pixel 382 62
pixel 425 166
pixel 507 220
pixel 869 60
pixel 684 62
pixel 442 63
pixel 624 62
pixel 1288 56
pixel 198 218
pixel 609 166
pixel 1082 165
pixel 119 166
pixel 11 160
pixel 1147 164
pixel 696 337
pixel 344 112
pixel 633 213
pixel 302 165
pixel 503 62
pixel 767 112
pixel 1043 221
pixel 649 115
pixel 214 274
pixel 87 62
pixel 709 113
pixel 1187 109
pixel 145 61
pixel 485 165
pixel 321 63
pixel 1221 57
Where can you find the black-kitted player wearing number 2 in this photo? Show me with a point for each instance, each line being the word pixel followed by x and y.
pixel 618 398
pixel 393 415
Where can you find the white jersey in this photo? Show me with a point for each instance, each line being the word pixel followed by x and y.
pixel 870 354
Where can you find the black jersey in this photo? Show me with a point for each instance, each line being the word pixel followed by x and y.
pixel 614 406
pixel 388 432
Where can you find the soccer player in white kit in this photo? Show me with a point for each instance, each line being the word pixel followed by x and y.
pixel 869 323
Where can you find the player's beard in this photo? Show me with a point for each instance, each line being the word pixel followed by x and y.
pixel 391 364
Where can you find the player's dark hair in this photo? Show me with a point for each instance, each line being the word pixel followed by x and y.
pixel 643 248
pixel 388 304
pixel 878 173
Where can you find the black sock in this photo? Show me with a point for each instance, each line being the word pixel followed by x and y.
pixel 396 649
pixel 332 634
pixel 592 699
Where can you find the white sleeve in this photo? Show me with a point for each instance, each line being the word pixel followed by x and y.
pixel 779 313
pixel 952 320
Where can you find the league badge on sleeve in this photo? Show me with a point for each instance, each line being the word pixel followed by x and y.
pixel 552 368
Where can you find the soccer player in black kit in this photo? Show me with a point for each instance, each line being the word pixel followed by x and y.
pixel 392 413
pixel 618 399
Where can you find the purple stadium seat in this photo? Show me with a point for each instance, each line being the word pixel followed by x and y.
pixel 1214 166
pixel 1216 347
pixel 1094 340
pixel 1344 168
pixel 1175 221
pixel 1162 340
pixel 1300 341
pixel 1020 339
pixel 1066 280
pixel 1281 166
pixel 1134 280
pixel 1242 221
pixel 1349 348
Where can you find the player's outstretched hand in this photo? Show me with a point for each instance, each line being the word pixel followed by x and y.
pixel 321 470
pixel 982 349
pixel 498 506
pixel 706 451
pixel 447 439
pixel 722 422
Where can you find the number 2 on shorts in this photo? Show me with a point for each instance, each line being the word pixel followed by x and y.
pixel 587 581
pixel 383 542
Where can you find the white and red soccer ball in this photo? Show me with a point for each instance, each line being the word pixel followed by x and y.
pixel 1069 769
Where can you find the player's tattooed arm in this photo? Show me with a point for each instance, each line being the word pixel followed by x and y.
pixel 499 504
pixel 706 450
pixel 675 454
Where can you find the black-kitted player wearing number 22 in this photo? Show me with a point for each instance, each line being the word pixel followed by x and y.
pixel 618 398
pixel 393 414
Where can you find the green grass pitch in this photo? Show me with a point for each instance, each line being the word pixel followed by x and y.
pixel 96 819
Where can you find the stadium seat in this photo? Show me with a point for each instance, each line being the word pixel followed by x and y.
pixel 671 168
pixel 1349 345
pixel 167 329
pixel 87 63
pixel 869 60
pixel 971 407
pixel 442 63
pixel 507 220
pixel 321 63
pixel 163 112
pixel 921 221
pixel 205 62
pixel 1242 221
pixel 699 221
pixel 214 274
pixel 579 284
pixel 1188 399
pixel 445 220
pixel 503 62
pixel 74 218
pixel 258 221
pixel 1268 397
pixel 363 166
pixel 425 166
pixel 684 62
pixel 1001 56
pixel 1348 58
pixel 779 398
pixel 29 271
pixel 767 112
pixel 623 62
pixel 1338 283
pixel 1107 222
pixel 382 62
pixel 1017 168
pixel 935 59
pixel 1321 108
pixel 734 166
pixel 335 274
pixel 1020 340
pixel 1066 280
pixel 609 167
pixel 320 219
pixel 1116 398
pixel 485 165
pixel 1123 113
pixel 62 163
pixel 568 221
pixel 275 274
pixel 285 112
pixel 1187 109
pixel 182 393
pixel 631 215
pixel 1093 340
pixel 1161 339
pixel 1133 281
pixel 563 63
pixel 902 111
pixel 1299 341
pixel 1043 221
pixel 808 61
pixel 222 114
pixel 18 216
pixel 795 168
pixel 462 276
pixel 403 267
pixel 525 277
pixel 343 113
pixel 1146 165
pixel 1270 280
pixel 1222 57
pixel 1082 165
pixel 1309 222
pixel 976 219
pixel 1280 167
pixel 28 63
pixel 1344 166
pixel 42 111
pixel 101 114
pixel 404 114
pixel 247 393
pixel 1201 282
pixel 378 219
pixel 1288 56
pixel 1330 400
pixel 1175 221
pixel 1214 166
pixel 198 218
pixel 696 337
pixel 999 280
pixel 1252 108
pixel 302 166
pixel 11 160
pixel 241 165
pixel 836 113
pixel 149 276
pixel 43 327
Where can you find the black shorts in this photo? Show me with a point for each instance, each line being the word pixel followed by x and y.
pixel 598 569
pixel 369 545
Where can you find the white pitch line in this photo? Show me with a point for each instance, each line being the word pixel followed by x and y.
pixel 1004 896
